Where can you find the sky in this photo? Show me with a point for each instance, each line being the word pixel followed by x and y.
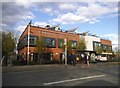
pixel 100 18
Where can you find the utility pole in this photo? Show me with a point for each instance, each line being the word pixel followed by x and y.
pixel 28 52
pixel 65 40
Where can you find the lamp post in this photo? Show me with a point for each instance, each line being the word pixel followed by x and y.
pixel 28 43
pixel 65 40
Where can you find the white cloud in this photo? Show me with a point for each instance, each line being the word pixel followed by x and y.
pixel 4 25
pixel 29 16
pixel 69 18
pixel 67 6
pixel 91 13
pixel 25 3
pixel 48 10
pixel 13 13
pixel 95 10
pixel 41 24
pixel 20 28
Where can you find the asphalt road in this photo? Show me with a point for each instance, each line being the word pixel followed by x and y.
pixel 59 75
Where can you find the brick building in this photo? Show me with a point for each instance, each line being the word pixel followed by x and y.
pixel 52 38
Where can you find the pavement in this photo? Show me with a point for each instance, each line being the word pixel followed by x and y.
pixel 50 66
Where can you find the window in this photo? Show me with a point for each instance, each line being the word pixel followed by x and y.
pixel 105 47
pixel 60 42
pixel 33 40
pixel 24 41
pixel 96 44
pixel 74 44
pixel 50 42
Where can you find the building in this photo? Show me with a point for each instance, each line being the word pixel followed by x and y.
pixel 53 39
pixel 93 43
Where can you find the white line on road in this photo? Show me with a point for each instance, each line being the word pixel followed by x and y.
pixel 89 77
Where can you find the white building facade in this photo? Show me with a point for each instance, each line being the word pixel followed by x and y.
pixel 90 41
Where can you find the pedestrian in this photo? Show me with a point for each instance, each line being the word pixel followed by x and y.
pixel 22 60
pixel 73 59
pixel 88 57
pixel 70 58
pixel 96 59
pixel 63 58
pixel 85 59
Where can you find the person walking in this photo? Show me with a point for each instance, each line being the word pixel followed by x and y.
pixel 73 59
pixel 96 59
pixel 22 59
pixel 70 59
pixel 63 58
pixel 88 57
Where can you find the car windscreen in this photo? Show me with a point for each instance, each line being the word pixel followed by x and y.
pixel 103 55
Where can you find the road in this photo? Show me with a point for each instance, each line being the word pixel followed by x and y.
pixel 59 75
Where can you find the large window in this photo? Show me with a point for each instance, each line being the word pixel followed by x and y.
pixel 105 47
pixel 96 44
pixel 60 42
pixel 33 40
pixel 50 42
pixel 24 41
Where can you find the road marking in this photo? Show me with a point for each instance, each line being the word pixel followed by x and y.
pixel 89 77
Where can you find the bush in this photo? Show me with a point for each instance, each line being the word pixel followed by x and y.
pixel 54 61
pixel 115 60
pixel 33 63
pixel 15 62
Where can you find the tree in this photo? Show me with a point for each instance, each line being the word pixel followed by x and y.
pixel 62 45
pixel 41 48
pixel 116 52
pixel 69 47
pixel 108 50
pixel 98 49
pixel 81 45
pixel 8 44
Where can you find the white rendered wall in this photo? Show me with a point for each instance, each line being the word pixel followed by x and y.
pixel 89 42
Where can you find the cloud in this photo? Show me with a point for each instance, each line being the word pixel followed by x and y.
pixel 66 6
pixel 69 18
pixel 13 14
pixel 41 24
pixel 48 10
pixel 21 28
pixel 24 3
pixel 90 12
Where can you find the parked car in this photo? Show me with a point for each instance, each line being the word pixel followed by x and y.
pixel 103 57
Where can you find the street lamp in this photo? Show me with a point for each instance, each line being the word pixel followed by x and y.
pixel 28 42
pixel 65 42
